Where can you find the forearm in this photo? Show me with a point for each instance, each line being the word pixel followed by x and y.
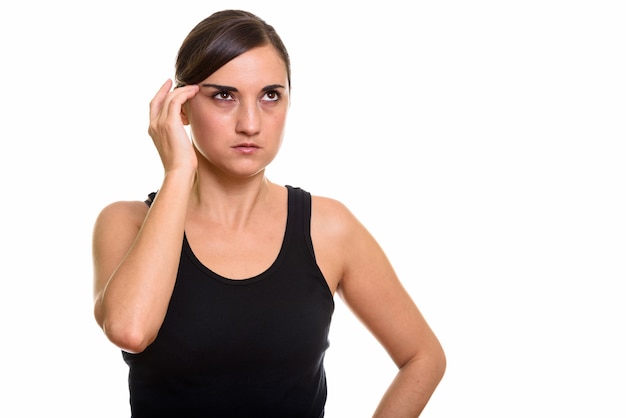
pixel 412 388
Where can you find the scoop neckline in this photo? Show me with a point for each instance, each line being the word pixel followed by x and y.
pixel 253 279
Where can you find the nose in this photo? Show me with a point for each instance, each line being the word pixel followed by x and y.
pixel 249 118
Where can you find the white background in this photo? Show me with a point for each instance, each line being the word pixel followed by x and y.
pixel 482 142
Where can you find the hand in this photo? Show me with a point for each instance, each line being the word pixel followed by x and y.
pixel 167 129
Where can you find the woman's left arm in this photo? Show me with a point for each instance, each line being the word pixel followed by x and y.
pixel 370 287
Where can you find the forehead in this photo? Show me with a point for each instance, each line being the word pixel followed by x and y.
pixel 259 66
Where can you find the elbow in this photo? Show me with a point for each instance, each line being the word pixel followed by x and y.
pixel 438 360
pixel 128 336
pixel 432 362
pixel 441 363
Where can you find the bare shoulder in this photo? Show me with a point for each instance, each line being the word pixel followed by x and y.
pixel 336 234
pixel 118 220
pixel 332 215
pixel 115 228
pixel 125 211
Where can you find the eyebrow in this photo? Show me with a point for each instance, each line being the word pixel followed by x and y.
pixel 234 89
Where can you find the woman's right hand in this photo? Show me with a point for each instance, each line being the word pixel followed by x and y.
pixel 167 128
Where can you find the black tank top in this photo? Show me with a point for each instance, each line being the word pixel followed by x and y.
pixel 241 348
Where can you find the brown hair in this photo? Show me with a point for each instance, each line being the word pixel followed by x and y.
pixel 218 39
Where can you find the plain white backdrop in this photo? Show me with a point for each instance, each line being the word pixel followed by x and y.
pixel 482 143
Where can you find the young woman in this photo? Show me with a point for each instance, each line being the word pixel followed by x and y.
pixel 219 288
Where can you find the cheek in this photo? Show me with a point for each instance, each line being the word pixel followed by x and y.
pixel 205 121
pixel 278 117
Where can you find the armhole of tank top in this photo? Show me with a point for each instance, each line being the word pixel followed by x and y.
pixel 150 199
pixel 302 200
pixel 306 205
pixel 306 216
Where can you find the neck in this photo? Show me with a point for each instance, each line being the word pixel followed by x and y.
pixel 230 202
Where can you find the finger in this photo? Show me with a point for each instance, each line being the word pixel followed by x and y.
pixel 177 98
pixel 157 101
pixel 165 109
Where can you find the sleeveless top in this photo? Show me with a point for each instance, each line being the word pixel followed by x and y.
pixel 241 348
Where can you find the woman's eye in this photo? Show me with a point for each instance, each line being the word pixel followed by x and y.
pixel 223 95
pixel 271 96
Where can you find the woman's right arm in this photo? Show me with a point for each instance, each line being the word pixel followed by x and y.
pixel 136 250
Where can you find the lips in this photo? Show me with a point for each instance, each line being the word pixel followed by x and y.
pixel 246 148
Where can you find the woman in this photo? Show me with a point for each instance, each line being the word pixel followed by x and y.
pixel 219 287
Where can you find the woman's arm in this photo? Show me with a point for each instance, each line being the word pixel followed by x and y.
pixel 372 290
pixel 136 250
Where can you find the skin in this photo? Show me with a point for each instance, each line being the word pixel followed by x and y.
pixel 214 185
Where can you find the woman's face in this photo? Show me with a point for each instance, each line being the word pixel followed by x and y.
pixel 237 119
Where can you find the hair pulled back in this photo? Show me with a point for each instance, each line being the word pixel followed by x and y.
pixel 219 38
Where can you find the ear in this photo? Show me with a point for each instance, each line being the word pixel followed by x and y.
pixel 183 114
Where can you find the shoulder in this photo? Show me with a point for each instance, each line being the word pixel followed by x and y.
pixel 333 230
pixel 341 242
pixel 335 225
pixel 328 213
pixel 332 213
pixel 122 213
pixel 125 208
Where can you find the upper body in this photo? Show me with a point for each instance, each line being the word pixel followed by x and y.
pixel 239 348
pixel 234 97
